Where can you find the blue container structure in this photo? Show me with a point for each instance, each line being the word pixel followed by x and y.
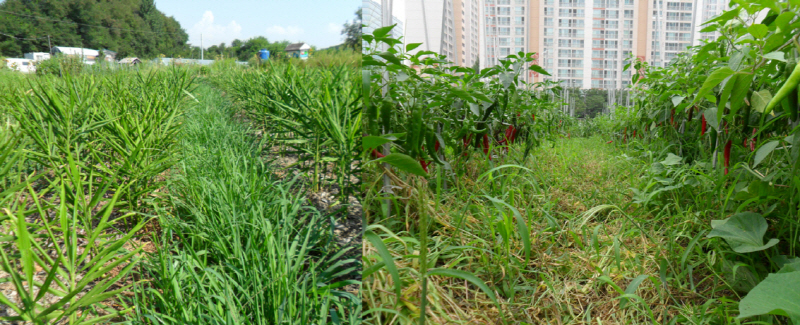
pixel 263 54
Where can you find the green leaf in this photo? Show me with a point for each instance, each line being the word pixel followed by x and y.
pixel 671 160
pixel 372 141
pixel 677 100
pixel 404 163
pixel 631 289
pixel 743 231
pixel 366 83
pixel 776 295
pixel 760 100
pixel 383 31
pixel 740 90
pixel 758 31
pixel 388 260
pixel 539 69
pixel 465 276
pixel 388 56
pixel 712 81
pixel 780 56
pixel 764 151
pixel 711 117
pixel 412 46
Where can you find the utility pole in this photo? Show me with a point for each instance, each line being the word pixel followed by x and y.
pixel 49 45
pixel 201 46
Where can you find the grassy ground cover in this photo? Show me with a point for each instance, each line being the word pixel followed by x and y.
pixel 597 254
pixel 250 250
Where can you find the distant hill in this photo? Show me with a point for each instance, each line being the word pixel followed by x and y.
pixel 335 48
pixel 132 27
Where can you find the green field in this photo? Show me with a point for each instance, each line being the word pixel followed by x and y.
pixel 161 195
pixel 487 203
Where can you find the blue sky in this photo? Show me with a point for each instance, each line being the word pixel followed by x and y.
pixel 316 22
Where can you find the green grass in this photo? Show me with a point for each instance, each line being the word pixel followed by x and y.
pixel 589 243
pixel 239 247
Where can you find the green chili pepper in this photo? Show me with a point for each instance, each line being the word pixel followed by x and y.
pixel 386 116
pixel 788 87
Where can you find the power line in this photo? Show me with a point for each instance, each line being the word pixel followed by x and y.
pixel 72 22
pixel 22 38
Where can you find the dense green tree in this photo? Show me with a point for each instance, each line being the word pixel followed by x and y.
pixel 352 32
pixel 596 100
pixel 129 27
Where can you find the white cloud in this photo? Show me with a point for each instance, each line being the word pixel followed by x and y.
pixel 334 28
pixel 290 33
pixel 213 34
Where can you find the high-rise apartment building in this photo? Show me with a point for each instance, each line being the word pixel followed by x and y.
pixel 708 10
pixel 585 43
pixel 467 21
pixel 449 27
pixel 373 15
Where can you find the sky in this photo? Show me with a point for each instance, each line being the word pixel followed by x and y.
pixel 316 22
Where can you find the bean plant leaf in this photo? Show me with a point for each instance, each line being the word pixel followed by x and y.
pixel 776 295
pixel 764 151
pixel 777 55
pixel 760 100
pixel 465 276
pixel 758 31
pixel 744 232
pixel 404 163
pixel 712 81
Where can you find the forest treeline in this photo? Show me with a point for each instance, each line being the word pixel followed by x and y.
pixel 128 27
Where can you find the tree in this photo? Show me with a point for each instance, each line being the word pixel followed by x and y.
pixel 129 27
pixel 352 31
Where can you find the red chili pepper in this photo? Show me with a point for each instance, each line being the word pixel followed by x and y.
pixel 753 140
pixel 634 133
pixel 436 147
pixel 609 141
pixel 703 127
pixel 377 154
pixel 485 145
pixel 424 165
pixel 514 135
pixel 727 155
pixel 466 144
pixel 534 117
pixel 672 117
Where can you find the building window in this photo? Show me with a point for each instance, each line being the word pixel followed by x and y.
pixel 519 20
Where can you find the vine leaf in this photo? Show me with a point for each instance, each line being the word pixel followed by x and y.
pixel 776 295
pixel 744 232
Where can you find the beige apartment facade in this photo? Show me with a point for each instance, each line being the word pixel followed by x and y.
pixel 586 43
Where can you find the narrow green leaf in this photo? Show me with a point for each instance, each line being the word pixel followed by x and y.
pixel 764 151
pixel 404 163
pixel 465 276
pixel 388 261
